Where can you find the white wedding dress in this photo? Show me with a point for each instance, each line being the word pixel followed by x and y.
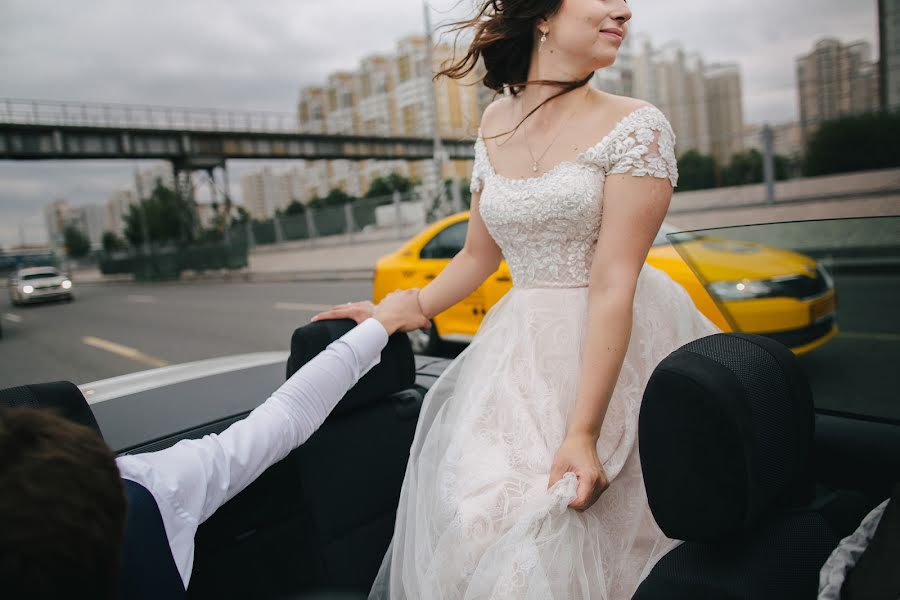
pixel 475 518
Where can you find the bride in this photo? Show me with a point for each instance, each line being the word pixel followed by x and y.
pixel 524 479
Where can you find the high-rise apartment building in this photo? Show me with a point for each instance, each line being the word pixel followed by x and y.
pixel 703 102
pixel 835 80
pixel 264 192
pixel 388 95
pixel 725 110
pixel 117 206
pixel 889 53
pixel 91 220
pixel 56 216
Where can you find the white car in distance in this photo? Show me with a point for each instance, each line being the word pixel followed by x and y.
pixel 35 284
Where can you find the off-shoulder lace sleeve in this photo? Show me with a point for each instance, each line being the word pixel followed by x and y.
pixel 479 168
pixel 644 145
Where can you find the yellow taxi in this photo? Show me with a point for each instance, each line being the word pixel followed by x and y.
pixel 740 286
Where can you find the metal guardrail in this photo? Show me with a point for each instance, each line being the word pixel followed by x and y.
pixel 143 116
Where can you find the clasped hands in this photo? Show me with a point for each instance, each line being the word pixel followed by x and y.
pixel 398 311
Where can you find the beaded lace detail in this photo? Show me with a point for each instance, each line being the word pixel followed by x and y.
pixel 547 226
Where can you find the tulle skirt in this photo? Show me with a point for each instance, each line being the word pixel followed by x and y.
pixel 476 519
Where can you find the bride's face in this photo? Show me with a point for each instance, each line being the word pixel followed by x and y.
pixel 584 32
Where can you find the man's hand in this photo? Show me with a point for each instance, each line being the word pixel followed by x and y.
pixel 398 311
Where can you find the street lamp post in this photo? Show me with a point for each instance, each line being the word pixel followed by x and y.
pixel 440 200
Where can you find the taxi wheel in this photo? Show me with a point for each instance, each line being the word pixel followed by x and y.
pixel 426 342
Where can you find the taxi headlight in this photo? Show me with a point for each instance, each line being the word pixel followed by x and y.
pixel 66 284
pixel 742 289
pixel 27 289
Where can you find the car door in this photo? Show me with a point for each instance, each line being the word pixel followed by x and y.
pixel 461 321
pixel 497 285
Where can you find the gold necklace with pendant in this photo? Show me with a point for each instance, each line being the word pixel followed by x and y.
pixel 535 161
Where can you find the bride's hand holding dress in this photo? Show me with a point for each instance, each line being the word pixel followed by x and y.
pixel 578 454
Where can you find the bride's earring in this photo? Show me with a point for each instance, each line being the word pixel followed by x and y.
pixel 543 39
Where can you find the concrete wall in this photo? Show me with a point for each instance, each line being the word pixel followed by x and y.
pixel 865 194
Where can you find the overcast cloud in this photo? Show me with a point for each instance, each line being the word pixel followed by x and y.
pixel 243 54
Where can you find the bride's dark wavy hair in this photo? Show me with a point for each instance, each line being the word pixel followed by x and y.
pixel 504 38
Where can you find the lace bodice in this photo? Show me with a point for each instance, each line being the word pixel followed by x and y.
pixel 547 226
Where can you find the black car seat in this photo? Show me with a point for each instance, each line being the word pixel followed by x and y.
pixel 333 499
pixel 726 440
pixel 62 397
pixel 353 468
pixel 148 568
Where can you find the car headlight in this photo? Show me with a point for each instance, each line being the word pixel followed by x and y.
pixel 27 289
pixel 66 284
pixel 742 289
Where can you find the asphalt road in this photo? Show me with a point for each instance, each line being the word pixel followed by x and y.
pixel 116 329
pixel 121 328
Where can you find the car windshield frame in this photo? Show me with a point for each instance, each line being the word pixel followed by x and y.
pixel 667 229
pixel 860 256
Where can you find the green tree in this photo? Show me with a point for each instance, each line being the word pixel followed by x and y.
pixel 335 197
pixel 783 167
pixel 77 244
pixel 696 171
pixel 295 208
pixel 385 186
pixel 856 143
pixel 112 243
pixel 168 218
pixel 210 235
pixel 744 168
pixel 243 217
pixel 464 192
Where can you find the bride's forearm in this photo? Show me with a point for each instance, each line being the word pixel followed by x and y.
pixel 609 331
pixel 460 277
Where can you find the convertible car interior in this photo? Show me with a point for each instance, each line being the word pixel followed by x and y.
pixel 736 461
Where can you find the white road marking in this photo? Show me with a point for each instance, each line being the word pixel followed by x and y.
pixel 12 317
pixel 302 306
pixel 874 336
pixel 141 299
pixel 127 352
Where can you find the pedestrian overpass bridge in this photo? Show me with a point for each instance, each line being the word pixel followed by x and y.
pixel 190 138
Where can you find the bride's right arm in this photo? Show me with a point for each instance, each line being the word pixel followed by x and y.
pixel 473 264
pixel 479 257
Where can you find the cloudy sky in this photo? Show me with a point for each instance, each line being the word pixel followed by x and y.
pixel 243 54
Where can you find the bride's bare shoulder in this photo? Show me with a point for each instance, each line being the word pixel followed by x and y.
pixel 616 107
pixel 495 115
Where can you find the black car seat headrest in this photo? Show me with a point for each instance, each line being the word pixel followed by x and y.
pixel 63 397
pixel 395 372
pixel 726 433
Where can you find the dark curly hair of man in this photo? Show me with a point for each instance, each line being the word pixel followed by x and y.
pixel 62 508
